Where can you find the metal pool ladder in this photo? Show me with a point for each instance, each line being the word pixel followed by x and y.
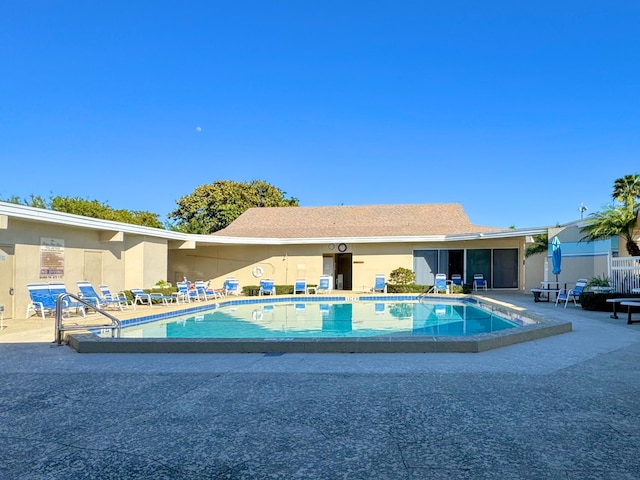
pixel 113 324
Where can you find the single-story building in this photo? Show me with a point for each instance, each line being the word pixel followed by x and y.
pixel 350 243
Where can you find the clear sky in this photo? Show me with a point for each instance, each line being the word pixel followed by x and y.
pixel 520 111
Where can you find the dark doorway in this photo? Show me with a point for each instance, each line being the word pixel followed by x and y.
pixel 344 271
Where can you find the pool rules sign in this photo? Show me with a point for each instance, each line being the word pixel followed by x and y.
pixel 51 257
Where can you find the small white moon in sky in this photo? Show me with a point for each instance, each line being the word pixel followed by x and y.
pixel 198 129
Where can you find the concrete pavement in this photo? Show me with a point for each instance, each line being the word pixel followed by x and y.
pixel 564 407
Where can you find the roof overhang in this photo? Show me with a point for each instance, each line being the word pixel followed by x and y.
pixel 187 240
pixel 511 233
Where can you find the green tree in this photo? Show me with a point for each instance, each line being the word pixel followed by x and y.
pixel 617 220
pixel 96 209
pixel 626 190
pixel 540 245
pixel 89 208
pixel 33 201
pixel 611 222
pixel 212 207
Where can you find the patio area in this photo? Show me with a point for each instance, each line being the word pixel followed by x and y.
pixel 561 407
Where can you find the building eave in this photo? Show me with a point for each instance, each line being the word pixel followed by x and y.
pixel 33 214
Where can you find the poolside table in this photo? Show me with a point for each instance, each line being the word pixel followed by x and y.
pixel 630 306
pixel 543 294
pixel 615 302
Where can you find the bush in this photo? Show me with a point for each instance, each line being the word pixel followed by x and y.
pixel 598 281
pixel 402 276
pixel 410 288
pixel 598 301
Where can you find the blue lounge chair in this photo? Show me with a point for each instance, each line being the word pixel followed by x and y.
pixel 572 294
pixel 456 280
pixel 58 288
pixel 186 294
pixel 380 284
pixel 120 296
pixel 89 294
pixel 205 292
pixel 300 286
pixel 231 286
pixel 324 284
pixel 441 284
pixel 267 287
pixel 42 301
pixel 479 282
pixel 144 298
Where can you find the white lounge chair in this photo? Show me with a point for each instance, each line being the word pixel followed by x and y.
pixel 267 287
pixel 300 286
pixel 89 294
pixel 572 294
pixel 324 284
pixel 380 284
pixel 479 282
pixel 441 284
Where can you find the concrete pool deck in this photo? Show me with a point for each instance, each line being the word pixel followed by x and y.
pixel 566 406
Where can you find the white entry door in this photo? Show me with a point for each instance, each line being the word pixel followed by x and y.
pixel 328 266
pixel 7 287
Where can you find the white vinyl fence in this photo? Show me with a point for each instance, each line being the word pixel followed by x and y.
pixel 624 273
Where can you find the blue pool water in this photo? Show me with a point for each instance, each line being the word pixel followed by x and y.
pixel 339 319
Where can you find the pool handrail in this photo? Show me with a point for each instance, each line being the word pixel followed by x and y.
pixel 60 327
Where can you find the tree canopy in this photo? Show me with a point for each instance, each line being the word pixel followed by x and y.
pixel 626 190
pixel 540 245
pixel 212 207
pixel 90 208
pixel 617 220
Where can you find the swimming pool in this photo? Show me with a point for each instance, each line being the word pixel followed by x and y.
pixel 379 338
pixel 339 319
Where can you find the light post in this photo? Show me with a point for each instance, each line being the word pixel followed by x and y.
pixel 583 208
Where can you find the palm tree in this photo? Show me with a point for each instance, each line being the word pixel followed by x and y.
pixel 611 222
pixel 540 245
pixel 626 190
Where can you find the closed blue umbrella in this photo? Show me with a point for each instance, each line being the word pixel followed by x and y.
pixel 556 257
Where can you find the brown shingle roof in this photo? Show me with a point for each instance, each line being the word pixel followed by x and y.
pixel 353 221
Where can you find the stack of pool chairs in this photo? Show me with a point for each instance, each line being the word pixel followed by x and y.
pixel 44 297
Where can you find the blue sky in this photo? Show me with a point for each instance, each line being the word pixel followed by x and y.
pixel 520 111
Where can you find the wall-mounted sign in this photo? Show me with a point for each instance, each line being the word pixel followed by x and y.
pixel 51 257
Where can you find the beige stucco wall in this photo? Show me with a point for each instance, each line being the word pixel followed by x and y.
pixel 286 263
pixel 88 255
pixel 145 260
pixel 576 266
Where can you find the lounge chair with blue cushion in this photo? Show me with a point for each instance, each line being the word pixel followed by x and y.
pixel 456 280
pixel 380 284
pixel 572 294
pixel 300 286
pixel 231 286
pixel 120 296
pixel 441 284
pixel 267 287
pixel 144 298
pixel 324 284
pixel 479 282
pixel 42 301
pixel 58 288
pixel 187 293
pixel 205 292
pixel 89 294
